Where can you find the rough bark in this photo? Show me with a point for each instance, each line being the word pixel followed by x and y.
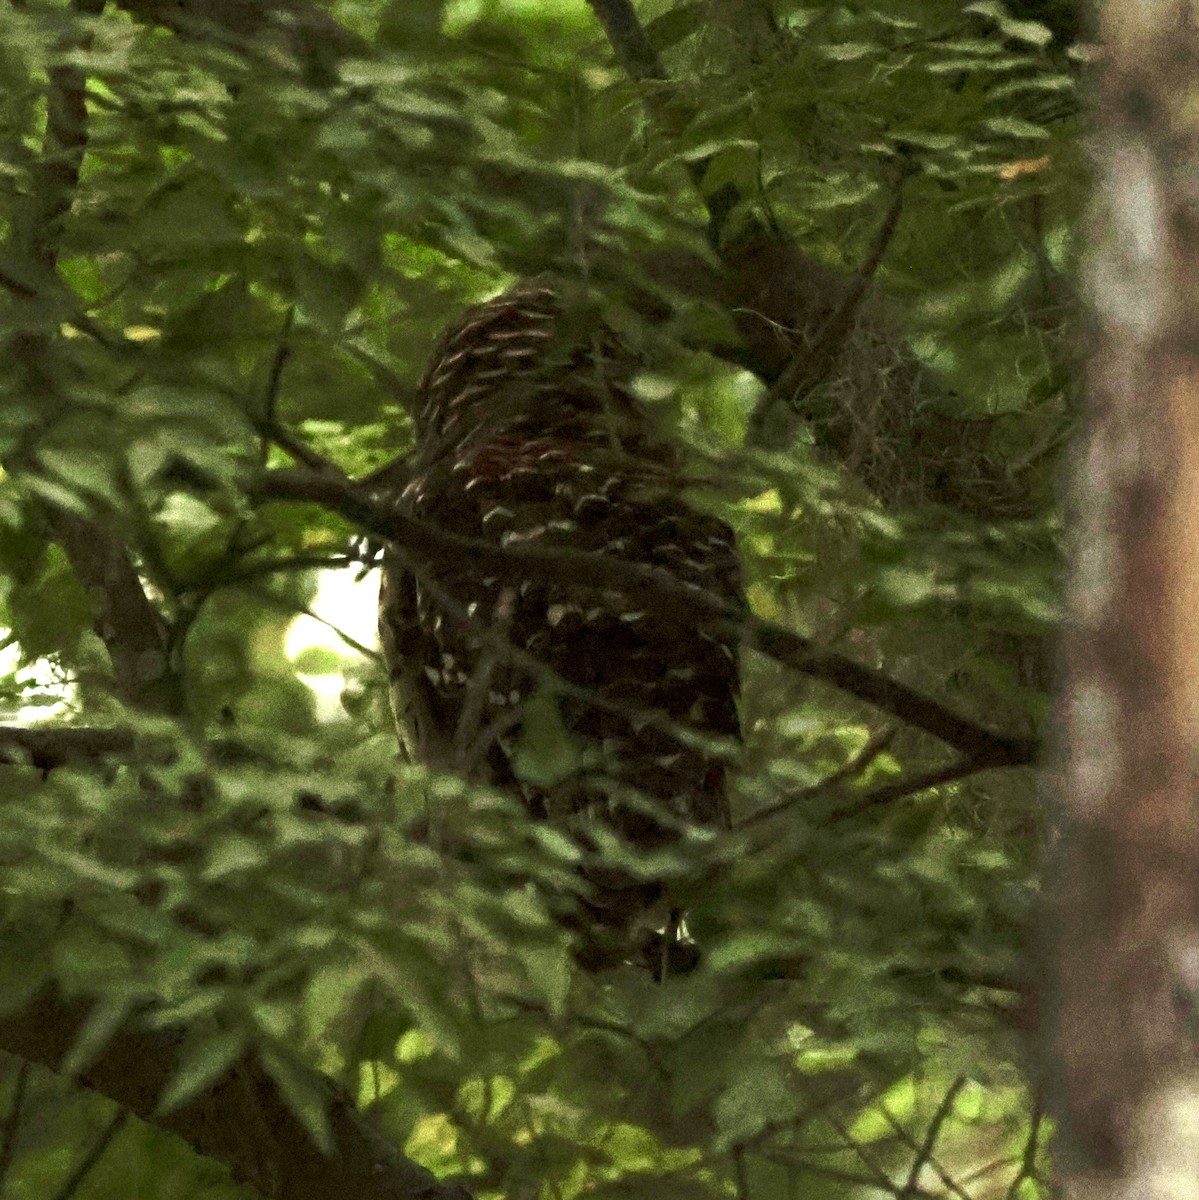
pixel 1126 930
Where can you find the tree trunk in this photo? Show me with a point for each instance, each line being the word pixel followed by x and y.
pixel 1125 936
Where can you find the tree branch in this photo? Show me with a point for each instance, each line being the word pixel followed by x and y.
pixel 87 1163
pixel 809 367
pixel 138 1063
pixel 637 58
pixel 912 785
pixel 132 629
pixel 655 589
pixel 852 767
pixel 12 1123
pixel 640 61
pixel 65 745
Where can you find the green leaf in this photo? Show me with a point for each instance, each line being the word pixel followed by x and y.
pixel 83 470
pixel 203 1058
pixel 233 855
pixel 546 753
pixel 1015 127
pixel 632 1148
pixel 103 1021
pixel 329 993
pixel 319 660
pixel 550 971
pixel 1032 32
pixel 760 1095
pixel 326 291
pixel 305 1093
pixel 850 51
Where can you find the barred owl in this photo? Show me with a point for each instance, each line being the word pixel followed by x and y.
pixel 528 433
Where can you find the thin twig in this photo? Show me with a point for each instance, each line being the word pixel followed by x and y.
pixel 1028 1163
pixel 382 374
pixel 924 1152
pixel 869 1182
pixel 270 406
pixel 740 1174
pixel 268 425
pixel 883 1180
pixel 812 364
pixel 303 610
pixel 73 316
pixel 298 449
pixel 996 1164
pixel 213 581
pixel 853 767
pixel 75 1181
pixel 12 1122
pixel 912 785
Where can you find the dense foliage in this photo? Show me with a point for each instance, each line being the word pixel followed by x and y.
pixel 267 230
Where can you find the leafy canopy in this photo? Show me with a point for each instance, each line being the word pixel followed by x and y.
pixel 255 237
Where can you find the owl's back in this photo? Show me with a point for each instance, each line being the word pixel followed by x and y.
pixel 528 435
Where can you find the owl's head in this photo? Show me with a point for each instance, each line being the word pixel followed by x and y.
pixel 526 362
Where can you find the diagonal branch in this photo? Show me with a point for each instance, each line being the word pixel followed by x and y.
pixel 88 1162
pixel 637 58
pixel 132 629
pixel 12 1123
pixel 811 366
pixel 640 61
pixel 655 589
pixel 911 785
pixel 138 1063
pixel 850 769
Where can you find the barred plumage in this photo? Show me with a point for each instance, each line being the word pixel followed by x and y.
pixel 528 433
